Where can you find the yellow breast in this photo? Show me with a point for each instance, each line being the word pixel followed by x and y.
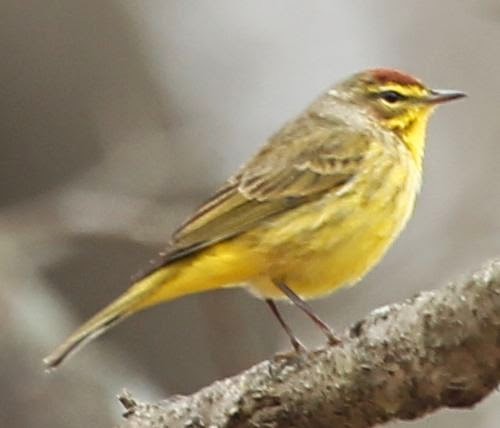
pixel 335 241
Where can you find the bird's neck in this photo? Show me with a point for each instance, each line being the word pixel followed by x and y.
pixel 412 131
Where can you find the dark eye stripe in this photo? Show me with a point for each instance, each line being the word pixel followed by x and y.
pixel 392 96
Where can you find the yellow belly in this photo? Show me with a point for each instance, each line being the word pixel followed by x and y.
pixel 314 249
pixel 318 249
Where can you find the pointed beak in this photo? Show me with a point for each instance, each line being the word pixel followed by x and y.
pixel 438 96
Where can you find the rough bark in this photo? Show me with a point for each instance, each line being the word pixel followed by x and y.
pixel 439 349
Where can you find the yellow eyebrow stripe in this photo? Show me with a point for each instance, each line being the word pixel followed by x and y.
pixel 406 90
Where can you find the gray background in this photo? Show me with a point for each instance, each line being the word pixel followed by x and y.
pixel 119 117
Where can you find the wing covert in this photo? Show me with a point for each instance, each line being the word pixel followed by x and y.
pixel 298 165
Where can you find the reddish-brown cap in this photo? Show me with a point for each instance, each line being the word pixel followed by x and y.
pixel 388 75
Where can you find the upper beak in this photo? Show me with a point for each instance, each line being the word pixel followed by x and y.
pixel 438 96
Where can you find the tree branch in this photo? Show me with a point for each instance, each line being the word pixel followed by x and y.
pixel 438 349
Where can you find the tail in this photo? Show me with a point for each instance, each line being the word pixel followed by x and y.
pixel 142 294
pixel 220 266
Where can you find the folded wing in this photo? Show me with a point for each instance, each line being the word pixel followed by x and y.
pixel 298 165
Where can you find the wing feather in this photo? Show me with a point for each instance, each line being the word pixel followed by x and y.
pixel 299 164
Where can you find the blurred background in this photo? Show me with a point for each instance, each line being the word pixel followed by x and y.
pixel 119 117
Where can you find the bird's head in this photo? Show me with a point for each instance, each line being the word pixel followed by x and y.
pixel 397 101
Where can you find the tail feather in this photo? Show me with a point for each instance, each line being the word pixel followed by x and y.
pixel 217 268
pixel 94 327
pixel 133 300
pixel 87 332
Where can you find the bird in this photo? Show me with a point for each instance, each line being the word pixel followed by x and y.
pixel 313 211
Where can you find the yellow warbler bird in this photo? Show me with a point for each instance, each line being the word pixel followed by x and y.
pixel 314 210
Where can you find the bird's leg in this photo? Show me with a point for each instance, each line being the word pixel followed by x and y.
pixel 297 345
pixel 304 306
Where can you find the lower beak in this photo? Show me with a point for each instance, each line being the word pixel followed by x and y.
pixel 438 96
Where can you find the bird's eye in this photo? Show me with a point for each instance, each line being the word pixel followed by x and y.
pixel 391 96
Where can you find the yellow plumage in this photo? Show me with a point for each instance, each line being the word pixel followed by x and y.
pixel 314 210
